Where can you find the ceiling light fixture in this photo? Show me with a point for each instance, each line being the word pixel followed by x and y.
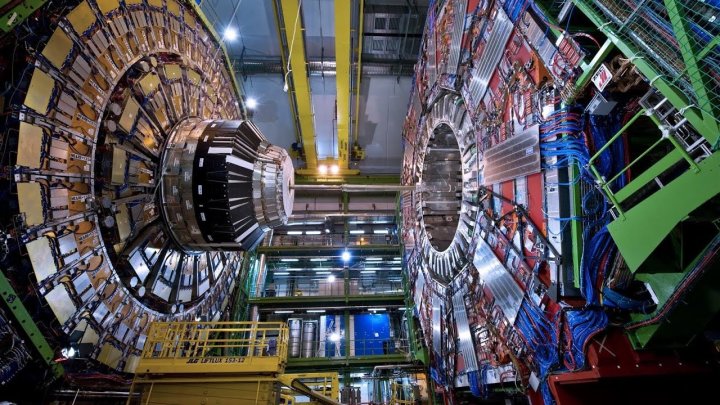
pixel 230 34
pixel 251 103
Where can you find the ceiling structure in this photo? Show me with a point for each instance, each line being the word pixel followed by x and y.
pixel 391 33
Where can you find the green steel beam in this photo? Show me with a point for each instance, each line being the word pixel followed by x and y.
pixel 355 361
pixel 709 47
pixel 324 300
pixel 707 128
pixel 311 251
pixel 590 68
pixel 19 13
pixel 700 305
pixel 346 222
pixel 692 63
pixel 576 226
pixel 649 175
pixel 645 225
pixel 23 318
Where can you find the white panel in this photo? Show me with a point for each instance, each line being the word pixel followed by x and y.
pixel 324 94
pixel 272 114
pixel 383 105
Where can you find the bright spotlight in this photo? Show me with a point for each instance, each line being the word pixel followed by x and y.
pixel 334 337
pixel 251 103
pixel 346 256
pixel 331 278
pixel 322 169
pixel 230 34
pixel 68 353
pixel 334 169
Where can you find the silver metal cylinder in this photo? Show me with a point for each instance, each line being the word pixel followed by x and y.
pixel 295 326
pixel 308 343
pixel 223 185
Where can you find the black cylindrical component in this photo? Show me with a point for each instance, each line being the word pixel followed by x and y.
pixel 224 185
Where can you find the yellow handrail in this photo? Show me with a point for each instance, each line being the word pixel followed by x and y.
pixel 207 339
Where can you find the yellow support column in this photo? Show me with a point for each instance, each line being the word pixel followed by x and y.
pixel 301 84
pixel 342 61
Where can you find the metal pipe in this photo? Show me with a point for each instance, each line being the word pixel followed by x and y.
pixel 353 188
pixel 392 367
pixel 94 394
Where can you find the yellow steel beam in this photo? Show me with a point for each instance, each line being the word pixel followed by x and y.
pixel 342 65
pixel 300 83
pixel 293 111
pixel 359 70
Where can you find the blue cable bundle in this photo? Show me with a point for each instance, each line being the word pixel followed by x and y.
pixel 473 380
pixel 540 335
pixel 582 325
pixel 569 148
pixel 595 248
pixel 546 394
pixel 436 376
pixel 477 381
pixel 612 160
pixel 514 8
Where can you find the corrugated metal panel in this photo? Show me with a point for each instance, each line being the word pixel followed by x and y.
pixel 460 7
pixel 431 64
pixel 436 323
pixel 515 157
pixel 508 294
pixel 493 51
pixel 462 325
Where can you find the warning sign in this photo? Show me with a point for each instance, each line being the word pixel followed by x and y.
pixel 602 77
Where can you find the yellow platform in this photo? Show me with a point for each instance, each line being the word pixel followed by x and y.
pixel 223 363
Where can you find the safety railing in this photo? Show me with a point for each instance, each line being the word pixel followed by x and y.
pixel 341 347
pixel 299 287
pixel 325 384
pixel 402 394
pixel 331 240
pixel 186 347
pixel 657 112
